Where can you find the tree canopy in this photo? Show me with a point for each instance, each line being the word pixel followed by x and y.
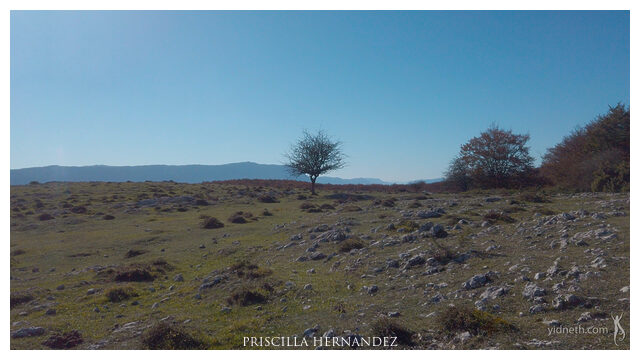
pixel 314 155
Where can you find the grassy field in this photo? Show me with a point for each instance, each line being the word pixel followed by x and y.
pixel 125 264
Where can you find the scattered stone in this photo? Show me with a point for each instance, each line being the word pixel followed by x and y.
pixel 532 290
pixel 476 281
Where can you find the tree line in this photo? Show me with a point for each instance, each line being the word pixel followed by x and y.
pixel 595 157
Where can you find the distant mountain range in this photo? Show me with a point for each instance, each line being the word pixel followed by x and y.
pixel 178 173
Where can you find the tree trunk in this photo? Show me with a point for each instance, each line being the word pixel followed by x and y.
pixel 313 185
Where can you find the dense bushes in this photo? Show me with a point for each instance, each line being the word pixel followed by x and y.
pixel 594 157
pixel 496 159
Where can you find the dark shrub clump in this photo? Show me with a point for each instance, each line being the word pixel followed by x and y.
pixel 389 328
pixel 240 217
pixel 17 252
pixel 79 210
pixel 45 217
pixel 19 298
pixel 163 336
pixel 211 223
pixel 388 203
pixel 134 253
pixel 495 216
pixel 108 217
pixel 120 294
pixel 351 208
pixel 246 297
pixel 268 199
pixel 66 340
pixel 351 244
pixel 135 274
pixel 533 197
pixel 306 205
pixel 458 319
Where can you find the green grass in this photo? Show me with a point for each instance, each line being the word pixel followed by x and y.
pixel 85 251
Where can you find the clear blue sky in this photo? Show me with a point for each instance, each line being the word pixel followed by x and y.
pixel 402 90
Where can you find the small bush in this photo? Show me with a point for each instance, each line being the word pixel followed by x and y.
pixel 496 216
pixel 120 294
pixel 108 217
pixel 240 217
pixel 351 244
pixel 162 265
pixel 268 199
pixel 351 208
pixel 514 209
pixel 133 253
pixel 459 319
pixel 17 252
pixel 66 340
pixel 533 198
pixel 79 210
pixel 245 269
pixel 134 274
pixel 19 298
pixel 306 205
pixel 414 205
pixel 266 212
pixel 442 254
pixel 45 217
pixel 246 297
pixel 163 336
pixel 388 328
pixel 327 207
pixel 314 210
pixel 408 225
pixel 388 203
pixel 211 223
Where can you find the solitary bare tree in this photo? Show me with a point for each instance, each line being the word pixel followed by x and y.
pixel 314 155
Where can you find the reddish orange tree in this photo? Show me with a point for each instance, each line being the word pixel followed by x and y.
pixel 497 158
pixel 595 157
